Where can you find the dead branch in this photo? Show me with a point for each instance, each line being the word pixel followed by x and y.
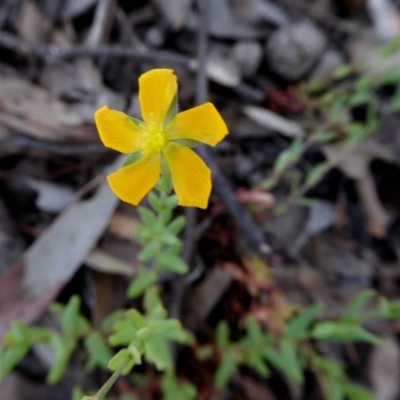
pixel 52 53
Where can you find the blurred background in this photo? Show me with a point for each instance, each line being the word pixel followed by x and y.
pixel 306 199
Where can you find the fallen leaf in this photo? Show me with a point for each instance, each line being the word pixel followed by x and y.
pixel 124 226
pixel 30 109
pixel 175 11
pixel 33 281
pixel 273 121
pixel 102 261
pixel 384 370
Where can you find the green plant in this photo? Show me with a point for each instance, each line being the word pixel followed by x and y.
pixel 297 347
pixel 130 337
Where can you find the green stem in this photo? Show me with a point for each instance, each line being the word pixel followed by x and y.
pixel 163 199
pixel 101 394
pixel 369 316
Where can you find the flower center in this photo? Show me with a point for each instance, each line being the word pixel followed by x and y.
pixel 155 140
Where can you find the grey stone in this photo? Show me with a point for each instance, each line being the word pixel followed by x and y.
pixel 258 11
pixel 224 24
pixel 294 50
pixel 11 244
pixel 329 61
pixel 175 11
pixel 154 37
pixel 247 55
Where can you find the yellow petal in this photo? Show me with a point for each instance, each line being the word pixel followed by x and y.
pixel 191 177
pixel 118 131
pixel 132 182
pixel 157 89
pixel 202 123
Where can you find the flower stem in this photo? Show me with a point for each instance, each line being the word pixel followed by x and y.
pixel 101 394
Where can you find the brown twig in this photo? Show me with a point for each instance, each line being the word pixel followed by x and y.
pixel 52 53
pixel 201 97
pixel 63 149
pixel 245 223
pixel 102 23
pixel 126 29
pixel 191 213
pixel 4 11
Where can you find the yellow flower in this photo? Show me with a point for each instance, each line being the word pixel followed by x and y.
pixel 161 137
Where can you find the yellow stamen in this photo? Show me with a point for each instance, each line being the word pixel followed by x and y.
pixel 155 139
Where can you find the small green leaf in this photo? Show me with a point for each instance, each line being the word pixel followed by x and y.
pixel 269 183
pixel 135 354
pixel 173 263
pixel 253 330
pixel 204 353
pixel 151 300
pixel 187 142
pixel 290 356
pixel 343 332
pixel 142 281
pixel 154 201
pixel 35 335
pixel 174 248
pixel 119 359
pixel 169 238
pixel 166 175
pixel 144 333
pixel 78 393
pixel 392 310
pixel 298 327
pixel 256 361
pixel 98 351
pixel 10 359
pixel 353 310
pixel 366 83
pixel 326 136
pixel 222 334
pixel 285 360
pixel 63 349
pixel 395 101
pixel 165 215
pixel 334 390
pixel 360 97
pixel 177 334
pixel 176 226
pixel 390 77
pixel 128 367
pixel 110 320
pixel 172 201
pixel 338 112
pixel 174 390
pixel 343 71
pixel 122 337
pixel 389 48
pixel 316 174
pixel 132 158
pixel 135 318
pixel 150 251
pixel 17 336
pixel 172 111
pixel 147 216
pixel 356 133
pixel 357 392
pixel 305 201
pixel 158 352
pixel 225 370
pixel 289 156
pixel 334 370
pixel 316 85
pixel 282 162
pixel 70 316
